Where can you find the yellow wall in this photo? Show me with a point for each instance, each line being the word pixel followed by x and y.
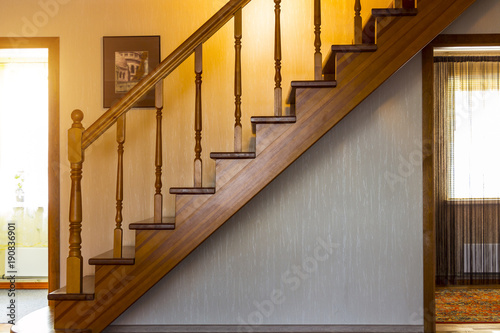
pixel 81 24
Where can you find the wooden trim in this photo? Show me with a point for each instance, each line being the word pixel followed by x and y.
pixel 52 43
pixel 264 328
pixel 25 285
pixel 428 144
pixel 429 209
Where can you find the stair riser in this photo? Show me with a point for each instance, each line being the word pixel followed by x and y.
pixel 266 134
pixel 227 169
pixel 186 204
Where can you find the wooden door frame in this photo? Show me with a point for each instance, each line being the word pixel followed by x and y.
pixel 429 160
pixel 52 44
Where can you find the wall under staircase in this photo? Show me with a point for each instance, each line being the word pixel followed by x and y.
pixel 337 192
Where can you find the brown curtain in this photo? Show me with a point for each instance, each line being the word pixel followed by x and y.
pixel 467 97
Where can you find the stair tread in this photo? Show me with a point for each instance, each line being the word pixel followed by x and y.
pixel 348 48
pixel 86 295
pixel 273 120
pixel 106 258
pixel 308 84
pixel 192 190
pixel 383 12
pixel 167 223
pixel 232 155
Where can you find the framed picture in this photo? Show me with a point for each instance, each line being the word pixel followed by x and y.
pixel 126 61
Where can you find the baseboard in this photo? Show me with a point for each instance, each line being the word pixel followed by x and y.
pixel 265 329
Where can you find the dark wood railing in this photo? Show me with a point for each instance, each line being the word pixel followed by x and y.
pixel 80 138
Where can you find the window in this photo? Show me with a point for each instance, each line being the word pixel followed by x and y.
pixel 471 86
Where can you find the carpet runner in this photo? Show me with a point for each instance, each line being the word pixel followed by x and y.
pixel 466 305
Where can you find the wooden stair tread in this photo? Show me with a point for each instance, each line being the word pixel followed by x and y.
pixel 192 190
pixel 86 295
pixel 273 120
pixel 308 84
pixel 383 12
pixel 353 48
pixel 232 155
pixel 167 223
pixel 106 258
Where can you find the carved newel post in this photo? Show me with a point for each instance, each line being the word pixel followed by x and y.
pixel 74 273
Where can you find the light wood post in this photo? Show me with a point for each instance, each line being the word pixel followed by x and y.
pixel 74 272
pixel 318 57
pixel 118 232
pixel 198 68
pixel 358 23
pixel 237 81
pixel 278 100
pixel 158 200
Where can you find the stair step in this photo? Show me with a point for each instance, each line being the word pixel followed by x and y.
pixel 329 66
pixel 384 12
pixel 167 223
pixel 308 84
pixel 86 295
pixel 127 258
pixel 232 156
pixel 227 165
pixel 266 130
pixel 192 190
pixel 271 120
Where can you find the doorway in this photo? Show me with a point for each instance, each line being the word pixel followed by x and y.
pixel 34 215
pixel 430 164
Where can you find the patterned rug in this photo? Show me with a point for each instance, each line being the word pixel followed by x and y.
pixel 468 305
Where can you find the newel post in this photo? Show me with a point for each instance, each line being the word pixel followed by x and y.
pixel 74 272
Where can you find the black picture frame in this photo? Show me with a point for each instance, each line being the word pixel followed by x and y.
pixel 126 60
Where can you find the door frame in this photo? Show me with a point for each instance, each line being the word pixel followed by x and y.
pixel 52 44
pixel 429 162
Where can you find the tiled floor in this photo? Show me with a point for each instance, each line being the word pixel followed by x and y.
pixel 473 328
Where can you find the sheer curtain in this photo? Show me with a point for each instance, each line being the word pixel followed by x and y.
pixel 467 95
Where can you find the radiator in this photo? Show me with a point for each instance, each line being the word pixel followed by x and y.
pixel 481 258
pixel 30 262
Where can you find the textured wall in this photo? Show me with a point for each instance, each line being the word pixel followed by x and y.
pixel 359 189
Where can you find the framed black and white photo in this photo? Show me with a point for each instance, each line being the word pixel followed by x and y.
pixel 126 61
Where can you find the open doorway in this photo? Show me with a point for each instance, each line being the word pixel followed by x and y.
pixel 29 165
pixel 453 212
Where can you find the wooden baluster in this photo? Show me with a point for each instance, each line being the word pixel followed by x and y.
pixel 358 23
pixel 74 272
pixel 198 68
pixel 237 81
pixel 277 60
pixel 118 233
pixel 158 202
pixel 318 57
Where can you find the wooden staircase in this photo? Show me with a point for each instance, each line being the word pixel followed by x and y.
pixel 349 74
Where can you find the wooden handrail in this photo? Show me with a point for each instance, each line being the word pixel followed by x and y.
pixel 169 64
